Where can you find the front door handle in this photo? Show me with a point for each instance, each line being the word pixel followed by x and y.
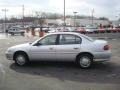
pixel 76 48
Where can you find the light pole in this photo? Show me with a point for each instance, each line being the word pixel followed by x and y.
pixel 118 21
pixel 74 18
pixel 64 15
pixel 92 15
pixel 5 10
pixel 23 10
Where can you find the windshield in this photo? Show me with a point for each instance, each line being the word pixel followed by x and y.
pixel 34 42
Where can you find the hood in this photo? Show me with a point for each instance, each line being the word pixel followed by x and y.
pixel 21 46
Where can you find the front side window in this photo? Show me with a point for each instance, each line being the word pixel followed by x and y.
pixel 69 39
pixel 48 40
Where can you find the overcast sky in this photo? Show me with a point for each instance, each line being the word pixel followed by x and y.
pixel 106 8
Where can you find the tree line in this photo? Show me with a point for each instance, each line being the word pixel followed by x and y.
pixel 13 19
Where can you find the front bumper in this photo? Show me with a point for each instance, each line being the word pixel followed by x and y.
pixel 9 56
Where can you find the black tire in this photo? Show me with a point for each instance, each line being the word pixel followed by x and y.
pixel 21 59
pixel 22 33
pixel 85 64
pixel 12 34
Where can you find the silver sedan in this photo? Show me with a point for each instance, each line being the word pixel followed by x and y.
pixel 61 46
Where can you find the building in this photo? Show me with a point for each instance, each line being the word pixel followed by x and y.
pixel 86 21
pixel 54 21
pixel 115 23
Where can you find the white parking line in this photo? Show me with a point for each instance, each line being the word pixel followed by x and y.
pixel 2 75
pixel 3 36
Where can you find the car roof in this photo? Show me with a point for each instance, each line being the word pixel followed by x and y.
pixel 64 33
pixel 73 33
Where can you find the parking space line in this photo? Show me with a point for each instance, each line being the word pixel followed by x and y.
pixel 2 75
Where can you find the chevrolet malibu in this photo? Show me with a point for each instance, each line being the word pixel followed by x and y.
pixel 61 46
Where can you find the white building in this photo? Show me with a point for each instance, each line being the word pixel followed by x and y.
pixel 116 23
pixel 84 22
pixel 54 21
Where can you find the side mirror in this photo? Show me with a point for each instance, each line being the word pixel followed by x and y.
pixel 30 43
pixel 37 44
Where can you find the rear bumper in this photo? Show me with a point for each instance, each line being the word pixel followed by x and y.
pixel 102 56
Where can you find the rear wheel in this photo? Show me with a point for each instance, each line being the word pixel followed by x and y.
pixel 85 60
pixel 21 59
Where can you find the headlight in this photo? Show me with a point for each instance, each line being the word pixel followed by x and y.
pixel 9 50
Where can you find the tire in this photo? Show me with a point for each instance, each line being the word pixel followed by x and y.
pixel 12 34
pixel 85 61
pixel 21 59
pixel 22 33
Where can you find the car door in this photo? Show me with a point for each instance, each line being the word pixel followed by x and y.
pixel 44 49
pixel 68 47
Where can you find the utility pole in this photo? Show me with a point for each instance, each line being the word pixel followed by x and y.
pixel 23 9
pixel 5 10
pixel 92 15
pixel 118 19
pixel 74 18
pixel 64 15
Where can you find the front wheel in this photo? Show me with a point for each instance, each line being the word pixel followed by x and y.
pixel 85 61
pixel 21 59
pixel 22 33
pixel 12 33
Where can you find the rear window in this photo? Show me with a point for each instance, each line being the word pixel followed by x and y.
pixel 88 38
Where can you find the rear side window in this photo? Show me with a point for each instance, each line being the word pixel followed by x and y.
pixel 69 39
pixel 88 38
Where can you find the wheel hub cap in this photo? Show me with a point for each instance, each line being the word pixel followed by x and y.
pixel 85 62
pixel 20 60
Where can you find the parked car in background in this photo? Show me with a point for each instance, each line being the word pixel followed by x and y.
pixel 52 30
pixel 16 30
pixel 91 29
pixel 114 30
pixel 102 30
pixel 71 29
pixel 81 30
pixel 61 46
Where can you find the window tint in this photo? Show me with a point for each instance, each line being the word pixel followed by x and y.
pixel 49 40
pixel 69 39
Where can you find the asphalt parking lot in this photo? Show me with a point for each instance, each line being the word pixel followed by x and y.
pixel 59 75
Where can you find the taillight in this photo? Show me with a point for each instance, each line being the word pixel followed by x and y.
pixel 106 47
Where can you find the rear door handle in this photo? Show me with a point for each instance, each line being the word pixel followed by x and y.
pixel 51 48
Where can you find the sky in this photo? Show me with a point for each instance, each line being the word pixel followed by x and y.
pixel 102 8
